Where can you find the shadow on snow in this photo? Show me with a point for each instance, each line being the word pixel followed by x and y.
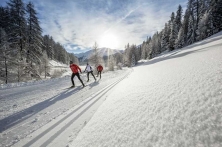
pixel 20 116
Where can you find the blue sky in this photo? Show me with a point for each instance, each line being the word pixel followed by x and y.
pixel 78 24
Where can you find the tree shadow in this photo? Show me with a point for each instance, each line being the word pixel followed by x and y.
pixel 22 115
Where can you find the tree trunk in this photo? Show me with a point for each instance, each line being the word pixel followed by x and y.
pixel 6 72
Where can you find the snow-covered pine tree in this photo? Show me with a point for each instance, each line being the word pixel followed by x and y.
pixel 130 55
pixel 155 44
pixel 138 52
pixel 216 11
pixel 4 56
pixel 34 31
pixel 18 26
pixel 60 53
pixel 194 6
pixel 34 42
pixel 178 19
pixel 204 26
pixel 173 34
pixel 133 60
pixel 4 19
pixel 179 43
pixel 191 31
pixel 47 45
pixel 149 48
pixel 185 26
pixel 143 50
pixel 165 38
pixel 203 7
pixel 18 36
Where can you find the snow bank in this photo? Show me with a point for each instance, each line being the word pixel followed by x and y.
pixel 53 64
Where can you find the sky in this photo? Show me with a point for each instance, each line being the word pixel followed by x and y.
pixel 78 24
pixel 139 106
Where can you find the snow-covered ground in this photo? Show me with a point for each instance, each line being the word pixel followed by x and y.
pixel 174 99
pixel 43 106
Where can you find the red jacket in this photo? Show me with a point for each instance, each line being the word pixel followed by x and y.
pixel 75 68
pixel 99 68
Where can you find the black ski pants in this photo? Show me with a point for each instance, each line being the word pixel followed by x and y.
pixel 72 77
pixel 99 74
pixel 91 74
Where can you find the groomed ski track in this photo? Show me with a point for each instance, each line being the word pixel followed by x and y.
pixel 65 127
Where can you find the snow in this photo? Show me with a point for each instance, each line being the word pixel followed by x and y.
pixel 174 99
pixel 28 110
pixel 55 63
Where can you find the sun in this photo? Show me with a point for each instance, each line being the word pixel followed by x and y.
pixel 109 40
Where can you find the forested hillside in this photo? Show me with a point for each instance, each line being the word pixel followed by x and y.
pixel 201 19
pixel 24 50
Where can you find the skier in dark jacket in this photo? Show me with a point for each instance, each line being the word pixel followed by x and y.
pixel 75 72
pixel 99 69
pixel 89 70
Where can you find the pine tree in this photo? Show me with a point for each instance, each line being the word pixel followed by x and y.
pixel 181 40
pixel 216 11
pixel 133 60
pixel 143 51
pixel 165 38
pixel 4 57
pixel 178 19
pixel 130 57
pixel 138 52
pixel 47 45
pixel 179 43
pixel 204 6
pixel 4 19
pixel 204 27
pixel 18 25
pixel 191 31
pixel 34 32
pixel 173 34
pixel 185 26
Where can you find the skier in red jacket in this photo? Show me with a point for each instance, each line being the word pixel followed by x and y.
pixel 75 72
pixel 99 69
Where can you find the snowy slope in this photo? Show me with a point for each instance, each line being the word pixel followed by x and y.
pixel 172 100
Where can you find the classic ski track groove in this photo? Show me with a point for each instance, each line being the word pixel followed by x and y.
pixel 101 93
pixel 49 113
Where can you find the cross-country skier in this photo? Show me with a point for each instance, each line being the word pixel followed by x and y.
pixel 89 70
pixel 99 69
pixel 75 72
